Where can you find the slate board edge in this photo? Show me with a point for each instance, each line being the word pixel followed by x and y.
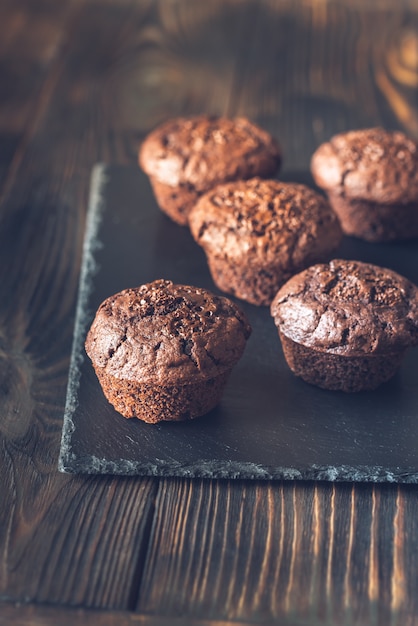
pixel 87 272
pixel 69 463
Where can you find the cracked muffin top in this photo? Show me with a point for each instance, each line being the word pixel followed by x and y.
pixel 163 333
pixel 202 151
pixel 374 165
pixel 265 221
pixel 349 308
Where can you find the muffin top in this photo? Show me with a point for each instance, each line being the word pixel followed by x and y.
pixel 163 333
pixel 203 151
pixel 373 165
pixel 264 222
pixel 349 308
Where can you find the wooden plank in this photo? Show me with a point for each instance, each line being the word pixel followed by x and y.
pixel 62 539
pixel 323 67
pixel 31 36
pixel 317 554
pixel 86 522
pixel 245 561
pixel 222 534
pixel 183 62
pixel 36 615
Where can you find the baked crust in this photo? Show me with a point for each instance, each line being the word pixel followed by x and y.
pixel 186 157
pixel 165 333
pixel 348 308
pixel 258 233
pixel 202 151
pixel 373 164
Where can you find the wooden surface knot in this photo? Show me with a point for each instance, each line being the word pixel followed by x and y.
pixel 403 58
pixel 398 78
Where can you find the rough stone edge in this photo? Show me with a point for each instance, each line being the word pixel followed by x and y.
pixel 88 270
pixel 237 470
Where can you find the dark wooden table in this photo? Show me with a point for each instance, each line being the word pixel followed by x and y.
pixel 83 81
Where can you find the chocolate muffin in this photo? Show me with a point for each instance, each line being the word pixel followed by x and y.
pixel 258 233
pixel 164 351
pixel 346 325
pixel 371 178
pixel 186 157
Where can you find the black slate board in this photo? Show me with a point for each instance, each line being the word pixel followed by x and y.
pixel 269 424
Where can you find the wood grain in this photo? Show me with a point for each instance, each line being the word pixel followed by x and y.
pixel 275 552
pixel 31 40
pixel 83 81
pixel 57 531
pixel 35 615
